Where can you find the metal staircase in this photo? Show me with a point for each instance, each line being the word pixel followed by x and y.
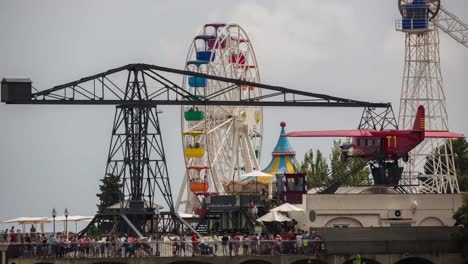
pixel 204 226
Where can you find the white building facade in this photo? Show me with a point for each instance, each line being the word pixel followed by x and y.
pixel 378 210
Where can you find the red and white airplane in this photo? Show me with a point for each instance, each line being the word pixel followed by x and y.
pixel 387 144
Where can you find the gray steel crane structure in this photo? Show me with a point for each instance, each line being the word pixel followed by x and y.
pixel 136 152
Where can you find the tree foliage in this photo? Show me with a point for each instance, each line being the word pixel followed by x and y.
pixel 461 220
pixel 111 192
pixel 460 148
pixel 321 173
pixel 338 168
pixel 316 169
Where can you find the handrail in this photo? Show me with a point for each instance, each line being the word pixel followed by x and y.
pixel 165 248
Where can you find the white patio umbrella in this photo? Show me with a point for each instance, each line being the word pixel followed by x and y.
pixel 287 207
pixel 62 218
pixel 72 218
pixel 274 217
pixel 261 177
pixel 29 220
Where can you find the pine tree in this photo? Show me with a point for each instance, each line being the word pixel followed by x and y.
pixel 111 192
pixel 316 169
pixel 321 173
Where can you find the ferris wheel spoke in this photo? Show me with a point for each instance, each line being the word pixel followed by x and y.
pixel 220 126
pixel 223 139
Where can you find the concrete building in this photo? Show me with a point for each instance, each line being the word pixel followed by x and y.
pixel 377 207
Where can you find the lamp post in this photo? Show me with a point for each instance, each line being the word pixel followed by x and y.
pixel 66 223
pixel 54 214
pixel 157 213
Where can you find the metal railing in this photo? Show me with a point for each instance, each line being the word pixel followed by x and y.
pixel 165 249
pixel 415 25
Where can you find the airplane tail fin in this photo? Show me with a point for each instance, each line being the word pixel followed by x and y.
pixel 420 121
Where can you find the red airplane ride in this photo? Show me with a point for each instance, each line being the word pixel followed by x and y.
pixel 385 144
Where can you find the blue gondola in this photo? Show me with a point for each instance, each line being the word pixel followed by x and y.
pixel 197 81
pixel 204 55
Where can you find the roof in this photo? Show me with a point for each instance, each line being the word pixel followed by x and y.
pixel 283 156
pixel 283 145
pixel 17 80
pixel 361 190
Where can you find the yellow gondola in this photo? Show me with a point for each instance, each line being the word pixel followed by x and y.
pixel 195 150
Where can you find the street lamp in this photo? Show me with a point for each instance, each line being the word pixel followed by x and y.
pixel 66 223
pixel 54 214
pixel 157 213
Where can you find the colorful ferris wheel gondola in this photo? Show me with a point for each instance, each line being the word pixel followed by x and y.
pixel 232 135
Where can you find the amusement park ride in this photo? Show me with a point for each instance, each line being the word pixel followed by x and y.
pixel 382 148
pixel 422 84
pixel 221 101
pixel 136 153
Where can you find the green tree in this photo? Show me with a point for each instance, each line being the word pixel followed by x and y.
pixel 338 168
pixel 111 192
pixel 461 220
pixel 316 169
pixel 321 173
pixel 460 148
pixel 358 260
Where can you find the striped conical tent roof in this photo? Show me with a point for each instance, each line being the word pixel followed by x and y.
pixel 283 156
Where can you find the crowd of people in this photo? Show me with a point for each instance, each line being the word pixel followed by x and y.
pixel 60 245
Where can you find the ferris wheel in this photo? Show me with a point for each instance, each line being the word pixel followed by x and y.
pixel 220 142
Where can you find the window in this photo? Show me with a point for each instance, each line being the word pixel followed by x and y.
pixel 361 142
pixel 399 224
pixel 341 225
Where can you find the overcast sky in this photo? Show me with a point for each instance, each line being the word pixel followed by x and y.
pixel 54 156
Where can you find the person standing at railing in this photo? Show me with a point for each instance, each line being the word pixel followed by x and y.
pixel 299 249
pixel 237 242
pixel 12 235
pixel 195 245
pixel 177 244
pixel 182 245
pixel 245 245
pixel 214 243
pixel 224 244
pixel 231 245
pixel 288 237
pixel 254 245
pixel 277 248
pixel 32 231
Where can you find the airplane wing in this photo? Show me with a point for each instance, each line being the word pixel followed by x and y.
pixel 441 134
pixel 330 133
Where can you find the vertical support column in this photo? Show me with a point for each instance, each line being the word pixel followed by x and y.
pixel 136 156
pixel 432 161
pixel 3 252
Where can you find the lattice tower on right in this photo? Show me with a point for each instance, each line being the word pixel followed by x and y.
pixel 432 162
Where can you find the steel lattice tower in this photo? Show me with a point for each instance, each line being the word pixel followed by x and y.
pixel 432 161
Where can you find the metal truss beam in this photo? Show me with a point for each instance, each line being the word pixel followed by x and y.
pixel 105 89
pixel 452 25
